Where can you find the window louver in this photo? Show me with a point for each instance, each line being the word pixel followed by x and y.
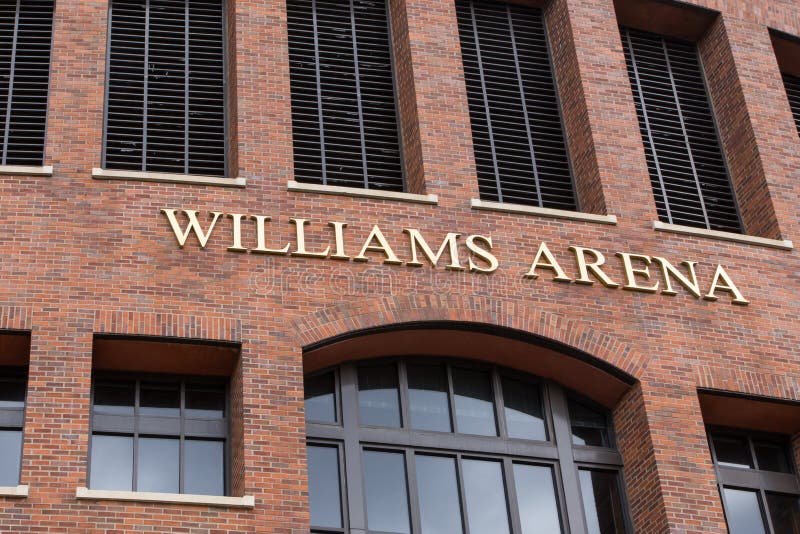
pixel 792 84
pixel 26 29
pixel 687 169
pixel 166 87
pixel 517 133
pixel 344 119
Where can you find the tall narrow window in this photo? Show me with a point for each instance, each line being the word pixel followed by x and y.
pixel 517 134
pixel 12 407
pixel 792 84
pixel 687 168
pixel 165 107
pixel 344 118
pixel 26 31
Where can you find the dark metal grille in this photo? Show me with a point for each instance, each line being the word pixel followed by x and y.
pixel 166 87
pixel 344 118
pixel 687 169
pixel 26 30
pixel 520 152
pixel 792 84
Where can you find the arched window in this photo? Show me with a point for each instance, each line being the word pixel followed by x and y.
pixel 430 446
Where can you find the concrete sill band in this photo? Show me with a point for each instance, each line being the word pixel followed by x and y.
pixel 782 244
pixel 247 501
pixel 361 193
pixel 165 177
pixel 17 492
pixel 26 170
pixel 487 205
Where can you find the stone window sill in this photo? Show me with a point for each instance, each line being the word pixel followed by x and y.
pixel 782 244
pixel 193 179
pixel 361 193
pixel 26 170
pixel 247 501
pixel 487 205
pixel 17 492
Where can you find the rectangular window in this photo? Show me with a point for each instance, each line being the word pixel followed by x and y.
pixel 26 31
pixel 165 103
pixel 12 415
pixel 792 85
pixel 162 435
pixel 517 133
pixel 344 117
pixel 687 168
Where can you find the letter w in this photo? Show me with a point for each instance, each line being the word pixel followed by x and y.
pixel 194 226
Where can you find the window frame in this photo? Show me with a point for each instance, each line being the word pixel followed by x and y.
pixel 128 425
pixel 14 418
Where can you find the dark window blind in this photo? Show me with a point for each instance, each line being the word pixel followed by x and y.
pixel 166 87
pixel 26 30
pixel 517 133
pixel 792 84
pixel 687 169
pixel 344 118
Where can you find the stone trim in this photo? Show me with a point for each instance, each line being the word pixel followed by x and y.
pixel 358 192
pixel 248 501
pixel 27 170
pixel 192 179
pixel 478 204
pixel 16 492
pixel 782 244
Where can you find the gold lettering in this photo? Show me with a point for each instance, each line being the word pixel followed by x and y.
pixel 584 267
pixel 261 241
pixel 450 243
pixel 237 232
pixel 338 230
pixel 727 287
pixel 483 254
pixel 551 264
pixel 300 233
pixel 382 246
pixel 631 273
pixel 670 271
pixel 194 226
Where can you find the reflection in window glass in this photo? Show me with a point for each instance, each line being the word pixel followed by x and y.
pixel 324 489
pixel 536 496
pixel 589 426
pixel 205 402
pixel 158 466
pixel 523 410
pixel 111 463
pixel 320 398
pixel 732 451
pixel 743 512
pixel 601 502
pixel 12 394
pixel 378 400
pixel 164 400
pixel 385 489
pixel 204 463
pixel 10 456
pixel 427 398
pixel 440 509
pixel 114 398
pixel 485 494
pixel 771 456
pixel 474 402
pixel 784 510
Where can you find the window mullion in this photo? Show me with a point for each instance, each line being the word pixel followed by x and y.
pixel 11 73
pixel 137 391
pixel 570 479
pixel 320 114
pixel 413 493
pixel 186 37
pixel 145 91
pixel 358 94
pixel 182 440
pixel 352 452
pixel 512 502
pixel 462 496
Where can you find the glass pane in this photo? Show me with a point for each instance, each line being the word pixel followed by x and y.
pixel 589 426
pixel 474 402
pixel 158 399
pixel 523 410
pixel 158 467
pixel 485 495
pixel 10 456
pixel 427 398
pixel 204 467
pixel 440 508
pixel 378 401
pixel 385 488
pixel 771 456
pixel 114 398
pixel 12 394
pixel 324 488
pixel 732 451
pixel 205 402
pixel 111 465
pixel 320 399
pixel 743 512
pixel 536 499
pixel 784 510
pixel 601 502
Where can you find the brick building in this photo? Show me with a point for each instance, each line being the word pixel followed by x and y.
pixel 415 266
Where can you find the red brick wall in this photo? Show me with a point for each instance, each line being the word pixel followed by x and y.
pixel 75 249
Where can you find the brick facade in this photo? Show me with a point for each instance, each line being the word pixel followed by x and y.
pixel 84 257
